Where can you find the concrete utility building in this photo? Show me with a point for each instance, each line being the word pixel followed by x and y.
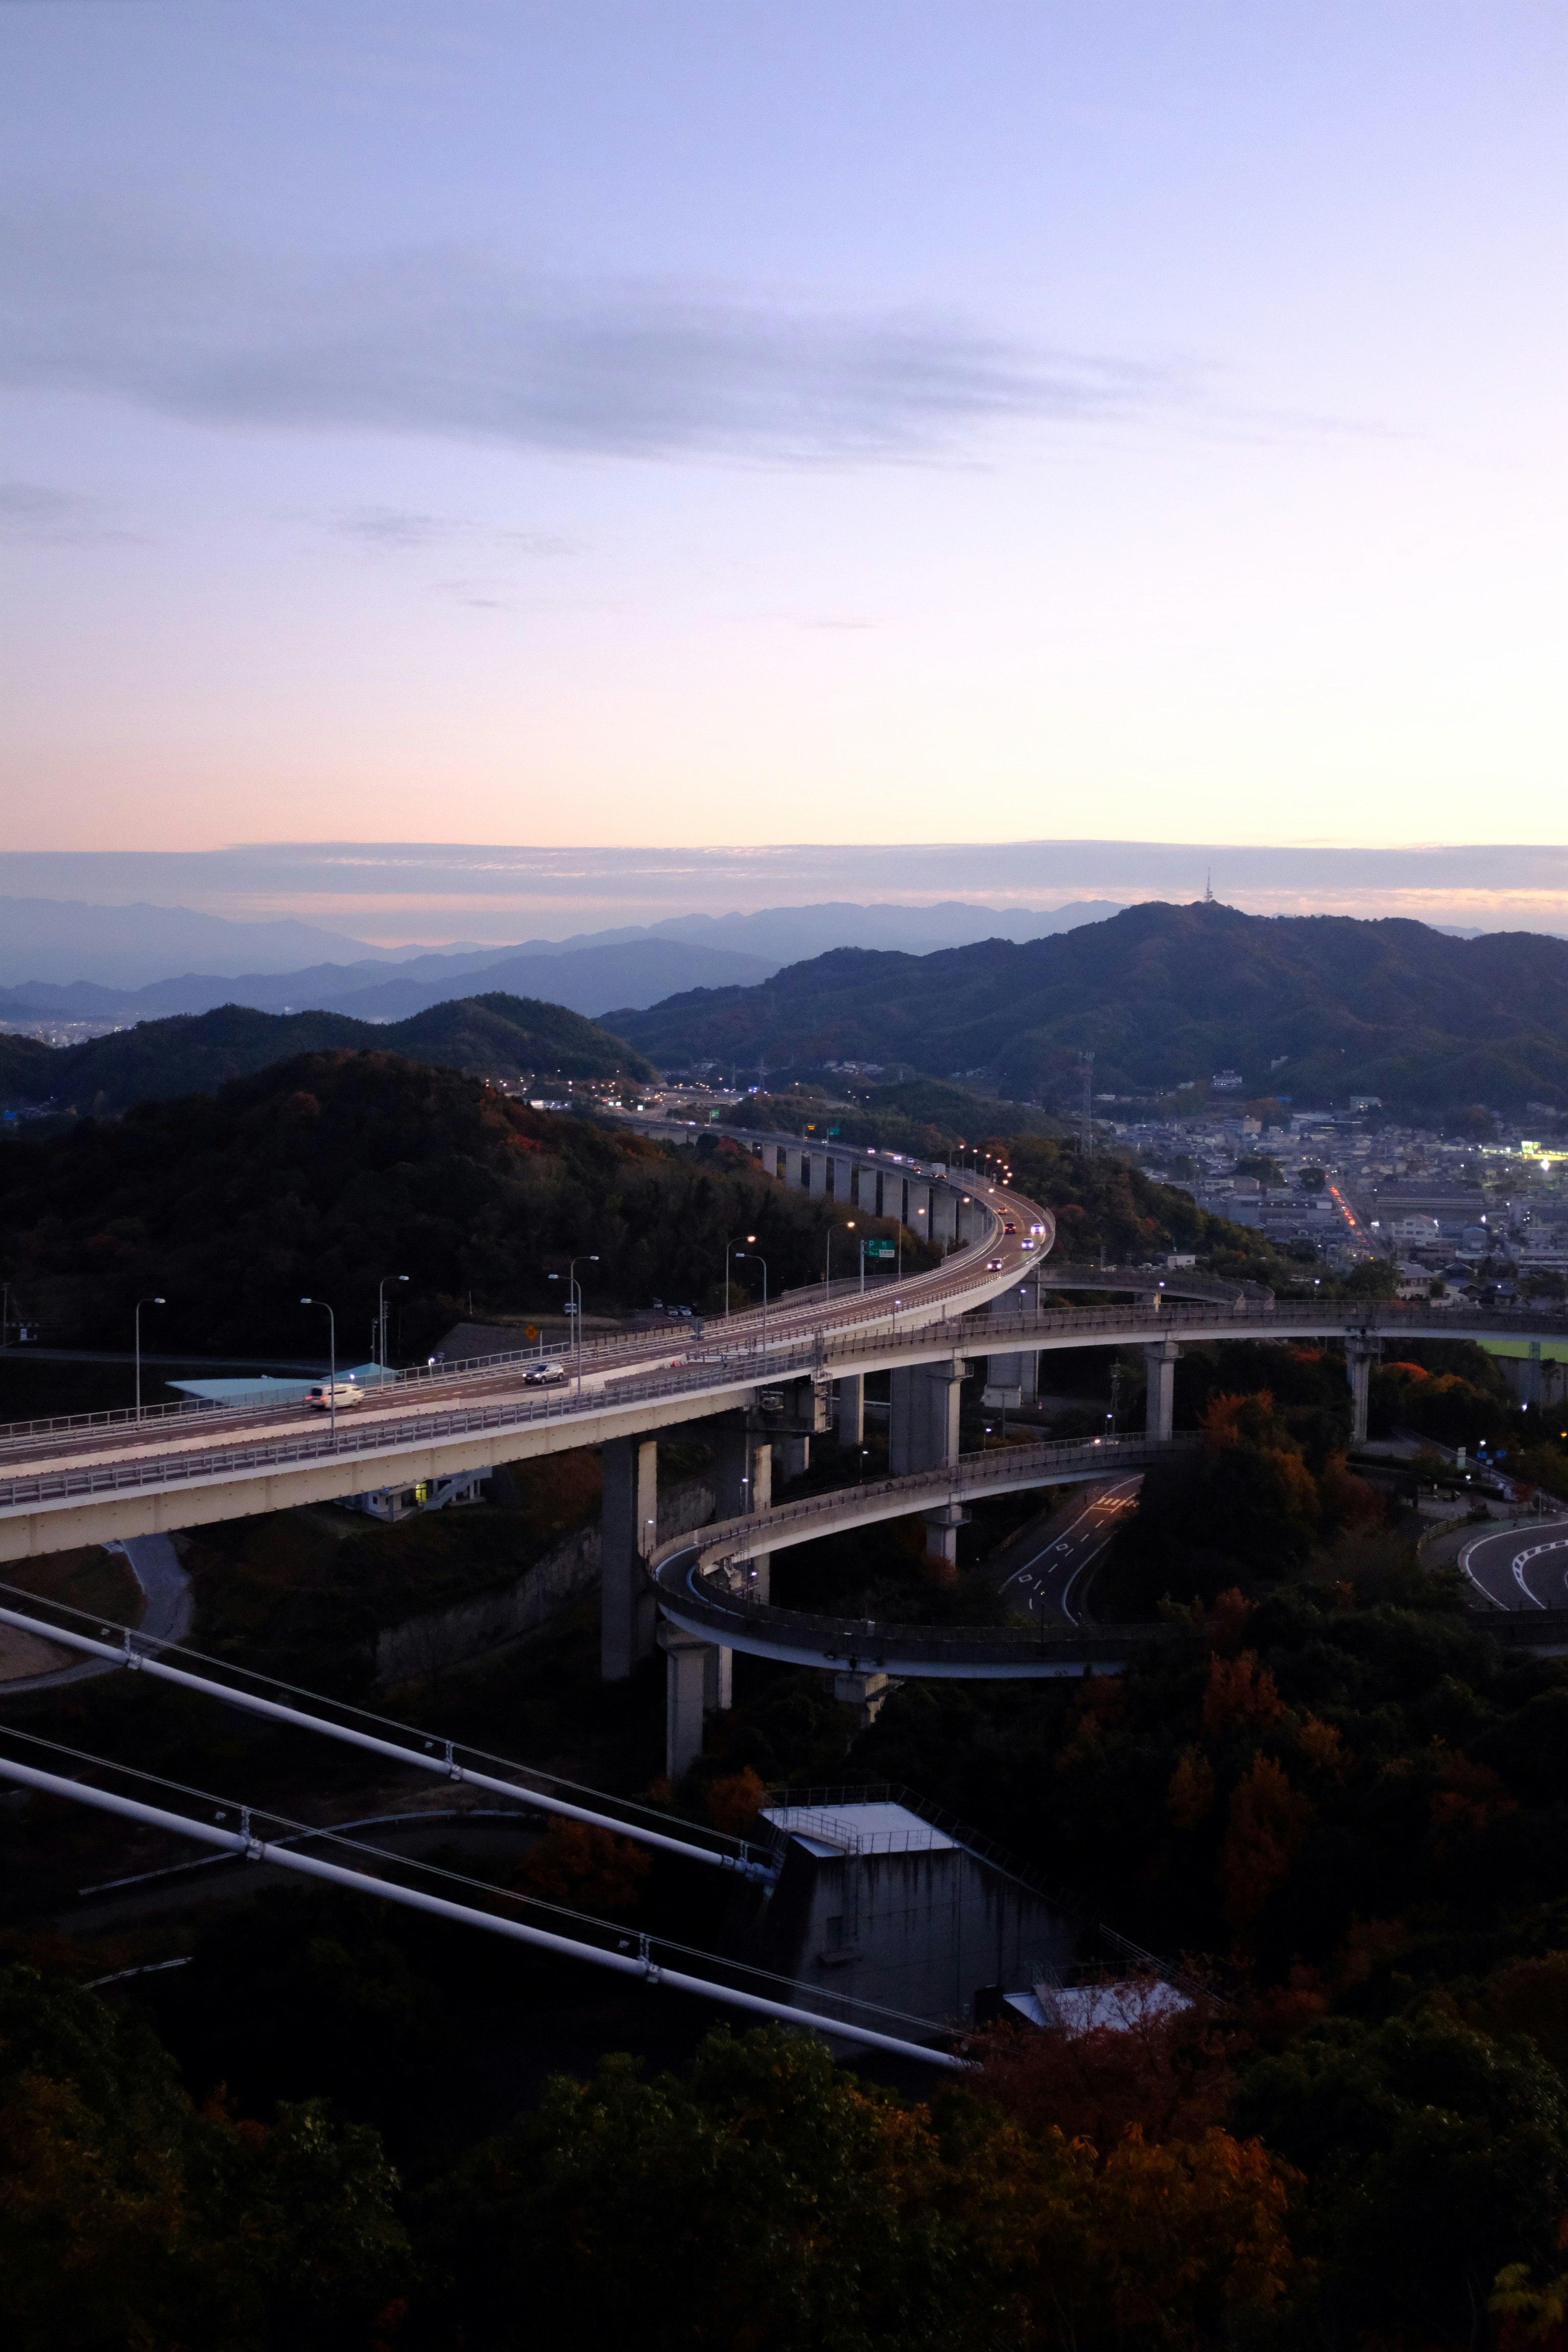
pixel 876 1904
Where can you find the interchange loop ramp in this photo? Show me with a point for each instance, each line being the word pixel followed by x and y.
pixel 95 1478
pixel 703 1588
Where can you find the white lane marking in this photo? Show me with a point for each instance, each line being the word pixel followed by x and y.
pixel 1534 1551
pixel 1120 1497
pixel 1477 1543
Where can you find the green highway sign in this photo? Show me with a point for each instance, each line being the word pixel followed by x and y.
pixel 879 1249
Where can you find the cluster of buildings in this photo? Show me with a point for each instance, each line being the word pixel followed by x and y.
pixel 1450 1214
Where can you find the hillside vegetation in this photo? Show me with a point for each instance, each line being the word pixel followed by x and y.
pixel 324 1174
pixel 494 1036
pixel 1316 1006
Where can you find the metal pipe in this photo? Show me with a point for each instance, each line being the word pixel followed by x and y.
pixel 241 1842
pixel 445 1765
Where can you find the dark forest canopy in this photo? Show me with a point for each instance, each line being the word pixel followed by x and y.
pixel 495 1036
pixel 324 1174
pixel 1318 1006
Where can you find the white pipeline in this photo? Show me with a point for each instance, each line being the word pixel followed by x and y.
pixel 241 1841
pixel 443 1764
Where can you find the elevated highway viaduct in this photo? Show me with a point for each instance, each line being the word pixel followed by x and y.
pixel 766 1377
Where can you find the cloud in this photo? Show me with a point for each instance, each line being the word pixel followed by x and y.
pixel 465 344
pixel 36 513
pixel 395 530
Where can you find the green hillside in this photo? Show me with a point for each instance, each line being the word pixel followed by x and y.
pixel 26 1068
pixel 1318 1007
pixel 493 1036
pixel 322 1175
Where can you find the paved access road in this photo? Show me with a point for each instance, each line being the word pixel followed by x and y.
pixel 1051 1580
pixel 1522 1568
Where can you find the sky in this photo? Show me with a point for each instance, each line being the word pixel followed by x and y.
pixel 877 423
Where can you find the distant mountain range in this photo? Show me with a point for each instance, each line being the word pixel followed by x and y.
pixel 492 1035
pixel 62 961
pixel 1317 1007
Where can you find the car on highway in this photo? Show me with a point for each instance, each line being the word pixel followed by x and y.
pixel 993 1266
pixel 1008 1226
pixel 543 1374
pixel 338 1393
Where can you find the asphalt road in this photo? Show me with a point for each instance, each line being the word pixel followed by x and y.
pixel 86 1441
pixel 1051 1579
pixel 1522 1568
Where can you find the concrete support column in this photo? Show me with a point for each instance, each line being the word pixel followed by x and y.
pixel 922 1426
pixel 968 1220
pixel 1362 1352
pixel 941 1531
pixel 892 1196
pixel 743 1484
pixel 850 1411
pixel 917 1215
pixel 815 1174
pixel 943 1214
pixel 797 1452
pixel 629 1530
pixel 1021 1371
pixel 1161 1356
pixel 685 1692
pixel 864 1694
pixel 717 1679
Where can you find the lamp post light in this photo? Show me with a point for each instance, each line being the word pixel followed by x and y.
pixel 141 1303
pixel 381 1316
pixel 575 1306
pixel 828 1258
pixel 730 1245
pixel 331 1364
pixel 753 1259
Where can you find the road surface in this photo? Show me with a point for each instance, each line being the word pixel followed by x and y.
pixel 1051 1580
pixel 1522 1568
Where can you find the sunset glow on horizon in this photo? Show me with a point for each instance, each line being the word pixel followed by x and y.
pixel 893 425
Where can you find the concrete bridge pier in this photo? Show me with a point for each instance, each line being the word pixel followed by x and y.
pixel 1362 1351
pixel 918 1212
pixel 687 1674
pixel 864 1694
pixel 629 1531
pixel 849 1412
pixel 941 1531
pixel 892 1196
pixel 943 1215
pixel 743 1484
pixel 922 1422
pixel 1161 1356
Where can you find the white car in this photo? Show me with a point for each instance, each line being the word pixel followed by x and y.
pixel 543 1375
pixel 341 1393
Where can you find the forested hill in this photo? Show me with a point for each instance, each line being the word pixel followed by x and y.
pixel 320 1176
pixel 492 1036
pixel 1317 1007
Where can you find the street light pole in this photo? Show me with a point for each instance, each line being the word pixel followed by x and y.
pixel 828 1258
pixel 381 1316
pixel 752 1259
pixel 141 1303
pixel 574 1306
pixel 730 1245
pixel 331 1364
